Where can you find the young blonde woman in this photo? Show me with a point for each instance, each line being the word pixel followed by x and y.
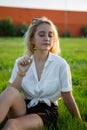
pixel 43 76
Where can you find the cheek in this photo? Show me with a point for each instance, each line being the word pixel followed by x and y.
pixel 52 41
pixel 36 41
pixel 36 38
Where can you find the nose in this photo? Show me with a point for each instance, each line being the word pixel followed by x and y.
pixel 46 37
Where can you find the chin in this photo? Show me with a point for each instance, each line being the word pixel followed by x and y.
pixel 45 49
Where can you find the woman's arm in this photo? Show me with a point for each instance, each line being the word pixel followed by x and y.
pixel 23 66
pixel 17 82
pixel 70 103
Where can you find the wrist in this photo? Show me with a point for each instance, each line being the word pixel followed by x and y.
pixel 21 74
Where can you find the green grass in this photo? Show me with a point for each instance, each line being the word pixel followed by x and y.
pixel 74 50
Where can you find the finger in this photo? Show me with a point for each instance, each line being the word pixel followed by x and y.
pixel 25 61
pixel 29 59
pixel 22 62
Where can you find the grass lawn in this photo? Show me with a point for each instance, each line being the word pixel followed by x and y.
pixel 74 50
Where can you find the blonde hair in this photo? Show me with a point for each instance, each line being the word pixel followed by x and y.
pixel 31 31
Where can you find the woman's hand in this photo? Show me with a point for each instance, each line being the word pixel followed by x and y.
pixel 23 65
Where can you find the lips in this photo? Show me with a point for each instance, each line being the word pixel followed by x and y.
pixel 47 44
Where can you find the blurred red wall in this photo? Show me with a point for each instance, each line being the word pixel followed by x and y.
pixel 64 20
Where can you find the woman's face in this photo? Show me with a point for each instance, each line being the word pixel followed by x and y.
pixel 43 37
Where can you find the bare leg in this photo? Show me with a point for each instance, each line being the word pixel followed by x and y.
pixel 10 98
pixel 27 122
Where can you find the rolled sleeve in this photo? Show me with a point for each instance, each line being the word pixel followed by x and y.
pixel 14 73
pixel 65 78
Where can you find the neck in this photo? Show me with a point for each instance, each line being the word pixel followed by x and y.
pixel 41 56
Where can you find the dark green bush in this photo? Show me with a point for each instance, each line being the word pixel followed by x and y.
pixel 67 34
pixel 21 29
pixel 7 27
pixel 1 28
pixel 84 31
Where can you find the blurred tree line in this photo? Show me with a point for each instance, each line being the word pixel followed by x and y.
pixel 7 28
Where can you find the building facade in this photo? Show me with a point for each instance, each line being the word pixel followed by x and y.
pixel 65 21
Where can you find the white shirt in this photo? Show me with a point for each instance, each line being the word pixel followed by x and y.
pixel 55 78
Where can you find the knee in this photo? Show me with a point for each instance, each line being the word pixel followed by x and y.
pixel 13 92
pixel 11 125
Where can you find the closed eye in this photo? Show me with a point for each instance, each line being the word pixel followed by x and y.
pixel 50 34
pixel 42 34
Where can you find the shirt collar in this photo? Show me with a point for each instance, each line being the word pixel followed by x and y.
pixel 50 57
pixel 49 60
